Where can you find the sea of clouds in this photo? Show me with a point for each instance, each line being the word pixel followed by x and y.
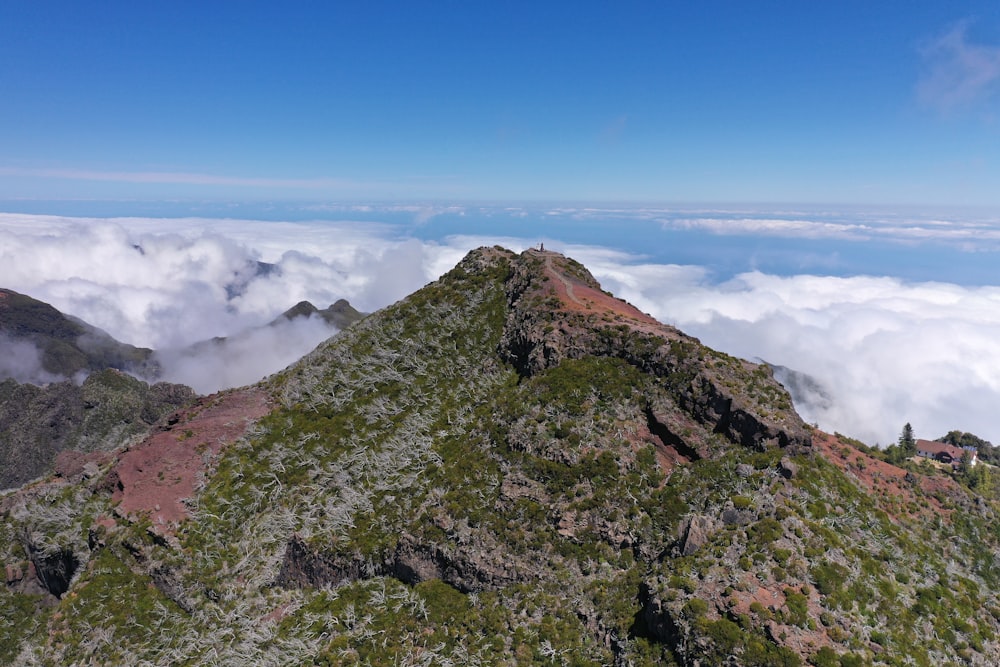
pixel 885 351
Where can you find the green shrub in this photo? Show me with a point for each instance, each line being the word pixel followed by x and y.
pixel 828 577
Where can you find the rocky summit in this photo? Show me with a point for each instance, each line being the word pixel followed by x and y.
pixel 508 467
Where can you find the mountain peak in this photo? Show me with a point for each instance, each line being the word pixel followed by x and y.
pixel 341 314
pixel 559 311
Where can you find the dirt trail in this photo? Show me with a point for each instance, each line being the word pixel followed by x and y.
pixel 580 297
pixel 563 279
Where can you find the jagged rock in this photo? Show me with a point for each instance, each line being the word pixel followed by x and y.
pixel 301 566
pixel 14 574
pixel 411 561
pixel 697 531
pixel 734 517
pixel 567 524
pixel 54 569
pixel 788 468
pixel 168 581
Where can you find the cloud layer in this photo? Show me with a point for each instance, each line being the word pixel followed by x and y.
pixel 886 351
pixel 22 361
pixel 170 284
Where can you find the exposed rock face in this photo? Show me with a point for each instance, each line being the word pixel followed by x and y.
pixel 558 311
pixel 697 531
pixel 55 570
pixel 411 562
pixel 788 467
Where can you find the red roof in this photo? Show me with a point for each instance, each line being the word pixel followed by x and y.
pixel 935 448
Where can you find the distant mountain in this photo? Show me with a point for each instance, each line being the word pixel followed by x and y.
pixel 255 352
pixel 67 345
pixel 340 314
pixel 508 467
pixel 251 271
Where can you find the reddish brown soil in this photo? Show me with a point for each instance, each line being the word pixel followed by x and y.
pixel 70 463
pixel 153 477
pixel 577 296
pixel 639 436
pixel 886 480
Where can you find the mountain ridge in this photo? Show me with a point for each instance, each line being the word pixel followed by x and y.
pixel 67 345
pixel 491 472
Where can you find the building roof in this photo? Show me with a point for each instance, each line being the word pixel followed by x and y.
pixel 935 448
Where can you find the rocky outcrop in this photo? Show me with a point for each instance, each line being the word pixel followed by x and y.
pixel 697 531
pixel 54 568
pixel 557 311
pixel 410 561
pixel 788 468
pixel 658 621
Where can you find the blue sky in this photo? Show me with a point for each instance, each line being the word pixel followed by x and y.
pixel 844 103
pixel 814 184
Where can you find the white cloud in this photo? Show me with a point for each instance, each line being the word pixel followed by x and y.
pixel 771 227
pixel 959 73
pixel 170 284
pixel 22 361
pixel 244 358
pixel 887 351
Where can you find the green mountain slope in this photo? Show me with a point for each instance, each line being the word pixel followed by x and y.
pixel 508 467
pixel 102 414
pixel 66 344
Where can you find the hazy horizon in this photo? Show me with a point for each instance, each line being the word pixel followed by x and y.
pixel 912 339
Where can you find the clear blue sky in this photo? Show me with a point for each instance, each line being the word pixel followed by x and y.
pixel 838 102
